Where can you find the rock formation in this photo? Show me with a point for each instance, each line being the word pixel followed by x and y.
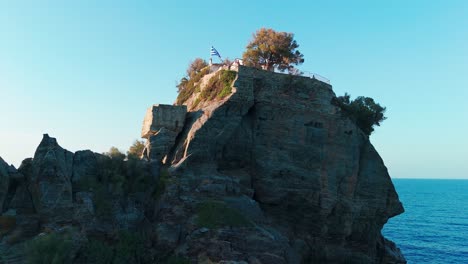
pixel 279 151
pixel 272 173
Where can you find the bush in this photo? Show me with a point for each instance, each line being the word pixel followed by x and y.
pixel 115 153
pixel 213 214
pixel 163 181
pixel 219 86
pixel 188 86
pixel 364 111
pixel 116 177
pixel 128 249
pixel 177 260
pixel 49 249
pixel 98 252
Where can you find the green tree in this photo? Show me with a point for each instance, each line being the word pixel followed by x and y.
pixel 115 154
pixel 270 49
pixel 136 149
pixel 362 110
pixel 195 71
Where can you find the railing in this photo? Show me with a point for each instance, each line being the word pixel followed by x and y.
pixel 311 75
pixel 315 76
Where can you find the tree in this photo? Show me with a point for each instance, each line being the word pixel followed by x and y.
pixel 362 110
pixel 196 66
pixel 270 49
pixel 182 84
pixel 115 153
pixel 136 149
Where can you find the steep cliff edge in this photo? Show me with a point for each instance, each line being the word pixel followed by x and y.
pixel 279 151
pixel 271 172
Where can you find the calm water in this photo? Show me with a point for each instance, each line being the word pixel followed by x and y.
pixel 434 227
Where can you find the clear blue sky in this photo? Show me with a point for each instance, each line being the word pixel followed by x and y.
pixel 85 71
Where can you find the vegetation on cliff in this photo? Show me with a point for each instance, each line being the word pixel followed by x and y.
pixel 191 83
pixel 272 50
pixel 214 214
pixel 217 87
pixel 362 110
pixel 136 149
pixel 49 249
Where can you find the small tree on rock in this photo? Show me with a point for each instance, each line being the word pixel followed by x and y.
pixel 196 66
pixel 362 110
pixel 115 153
pixel 136 149
pixel 270 49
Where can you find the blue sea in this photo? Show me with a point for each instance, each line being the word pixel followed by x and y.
pixel 434 226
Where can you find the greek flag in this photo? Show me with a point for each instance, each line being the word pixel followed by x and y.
pixel 214 52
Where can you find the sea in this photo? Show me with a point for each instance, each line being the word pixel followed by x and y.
pixel 434 226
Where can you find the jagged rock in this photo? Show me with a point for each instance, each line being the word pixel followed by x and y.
pixel 51 179
pixel 4 182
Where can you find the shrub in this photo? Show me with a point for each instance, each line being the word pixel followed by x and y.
pixel 364 111
pixel 187 88
pixel 213 214
pixel 115 153
pixel 49 249
pixel 164 179
pixel 98 252
pixel 129 249
pixel 177 260
pixel 219 86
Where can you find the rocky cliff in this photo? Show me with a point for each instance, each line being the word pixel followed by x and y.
pixel 272 172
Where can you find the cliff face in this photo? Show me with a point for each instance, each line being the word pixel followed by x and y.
pixel 280 152
pixel 272 173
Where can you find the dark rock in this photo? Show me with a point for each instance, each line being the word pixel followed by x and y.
pixel 50 184
pixel 310 178
pixel 272 173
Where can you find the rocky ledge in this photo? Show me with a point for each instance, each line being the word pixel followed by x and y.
pixel 272 173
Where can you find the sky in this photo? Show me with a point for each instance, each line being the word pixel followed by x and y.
pixel 85 71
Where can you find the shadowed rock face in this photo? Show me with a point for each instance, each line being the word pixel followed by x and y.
pixel 280 142
pixel 274 173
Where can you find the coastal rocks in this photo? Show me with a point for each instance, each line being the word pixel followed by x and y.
pixel 271 173
pixel 316 177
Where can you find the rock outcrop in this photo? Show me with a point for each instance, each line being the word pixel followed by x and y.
pixel 161 126
pixel 278 147
pixel 271 173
